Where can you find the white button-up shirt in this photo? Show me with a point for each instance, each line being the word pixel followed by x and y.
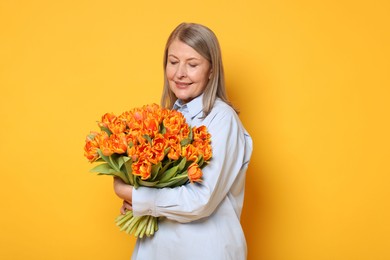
pixel 201 221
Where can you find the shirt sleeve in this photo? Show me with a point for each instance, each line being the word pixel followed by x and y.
pixel 198 200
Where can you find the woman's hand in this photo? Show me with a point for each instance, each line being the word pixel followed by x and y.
pixel 125 192
pixel 125 207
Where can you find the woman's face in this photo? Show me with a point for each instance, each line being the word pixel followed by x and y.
pixel 187 71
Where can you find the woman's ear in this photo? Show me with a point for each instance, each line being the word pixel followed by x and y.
pixel 211 72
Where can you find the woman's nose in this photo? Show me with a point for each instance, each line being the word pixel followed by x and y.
pixel 181 71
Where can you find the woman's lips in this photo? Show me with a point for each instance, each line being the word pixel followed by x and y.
pixel 182 84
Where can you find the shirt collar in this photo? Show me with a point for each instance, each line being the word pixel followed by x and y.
pixel 194 107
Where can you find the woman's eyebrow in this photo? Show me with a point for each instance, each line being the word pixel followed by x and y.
pixel 191 58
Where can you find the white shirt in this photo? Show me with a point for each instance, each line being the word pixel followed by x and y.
pixel 201 221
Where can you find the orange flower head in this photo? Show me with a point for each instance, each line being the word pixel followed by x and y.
pixel 154 109
pixel 204 148
pixel 132 153
pixel 91 138
pixel 190 152
pixel 100 137
pixel 185 131
pixel 194 173
pixel 174 122
pixel 174 145
pixel 90 150
pixel 150 126
pixel 159 145
pixel 103 140
pixel 107 119
pixel 118 143
pixel 200 133
pixel 173 140
pixel 142 147
pixel 142 168
pixel 138 115
pixel 106 149
pixel 174 152
pixel 133 124
pixel 117 126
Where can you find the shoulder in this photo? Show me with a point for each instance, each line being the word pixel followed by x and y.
pixel 226 120
pixel 220 108
pixel 222 114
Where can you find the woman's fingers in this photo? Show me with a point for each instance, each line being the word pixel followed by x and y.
pixel 125 206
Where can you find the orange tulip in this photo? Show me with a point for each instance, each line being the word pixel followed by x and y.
pixel 200 133
pixel 142 168
pixel 100 137
pixel 90 150
pixel 174 153
pixel 151 126
pixel 107 119
pixel 105 147
pixel 204 148
pixel 132 153
pixel 117 126
pixel 159 145
pixel 118 143
pixel 190 152
pixel 194 173
pixel 174 122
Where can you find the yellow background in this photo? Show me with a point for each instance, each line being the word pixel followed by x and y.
pixel 311 79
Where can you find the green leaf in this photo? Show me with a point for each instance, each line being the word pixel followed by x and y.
pixel 163 129
pixel 147 183
pixel 200 160
pixel 105 129
pixel 91 136
pixel 121 160
pixel 166 151
pixel 147 137
pixel 165 167
pixel 108 174
pixel 135 181
pixel 182 164
pixel 121 175
pixel 181 182
pixel 191 135
pixel 114 173
pixel 174 182
pixel 185 142
pixel 168 174
pixel 129 171
pixel 162 170
pixel 109 160
pixel 128 164
pixel 155 169
pixel 103 168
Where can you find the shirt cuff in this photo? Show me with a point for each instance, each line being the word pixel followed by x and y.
pixel 144 201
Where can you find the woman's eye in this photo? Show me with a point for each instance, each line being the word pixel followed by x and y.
pixel 193 65
pixel 173 62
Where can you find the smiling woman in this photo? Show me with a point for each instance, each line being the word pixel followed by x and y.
pixel 205 215
pixel 187 71
pixel 198 46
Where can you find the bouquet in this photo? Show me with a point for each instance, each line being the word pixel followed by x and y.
pixel 148 146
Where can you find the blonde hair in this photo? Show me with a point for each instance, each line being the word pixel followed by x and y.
pixel 203 41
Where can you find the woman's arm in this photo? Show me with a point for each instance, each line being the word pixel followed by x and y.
pixel 194 201
pixel 125 192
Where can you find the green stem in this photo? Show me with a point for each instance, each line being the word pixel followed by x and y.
pixel 128 215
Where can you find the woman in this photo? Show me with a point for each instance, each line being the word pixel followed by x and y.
pixel 198 221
